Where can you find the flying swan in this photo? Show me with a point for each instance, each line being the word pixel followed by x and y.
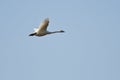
pixel 42 29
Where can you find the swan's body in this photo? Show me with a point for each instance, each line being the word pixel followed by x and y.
pixel 42 29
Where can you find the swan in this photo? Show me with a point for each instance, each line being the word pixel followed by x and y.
pixel 42 29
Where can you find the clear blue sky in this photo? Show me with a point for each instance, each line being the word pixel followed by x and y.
pixel 88 50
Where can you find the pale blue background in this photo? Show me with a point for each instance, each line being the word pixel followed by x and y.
pixel 89 50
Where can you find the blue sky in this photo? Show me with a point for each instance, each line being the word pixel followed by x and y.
pixel 88 50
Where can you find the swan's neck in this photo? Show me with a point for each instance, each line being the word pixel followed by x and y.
pixel 56 32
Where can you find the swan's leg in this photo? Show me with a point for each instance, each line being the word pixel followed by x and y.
pixel 32 34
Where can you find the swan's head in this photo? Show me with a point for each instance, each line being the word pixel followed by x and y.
pixel 61 31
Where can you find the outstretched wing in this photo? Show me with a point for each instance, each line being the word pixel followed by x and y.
pixel 43 25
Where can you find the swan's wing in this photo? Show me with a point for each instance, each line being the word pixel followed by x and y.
pixel 43 25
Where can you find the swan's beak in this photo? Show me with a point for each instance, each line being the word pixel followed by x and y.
pixel 62 31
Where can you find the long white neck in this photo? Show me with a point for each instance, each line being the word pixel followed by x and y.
pixel 61 31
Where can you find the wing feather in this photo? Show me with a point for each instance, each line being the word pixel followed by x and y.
pixel 43 25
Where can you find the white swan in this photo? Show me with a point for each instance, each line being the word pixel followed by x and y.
pixel 42 29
